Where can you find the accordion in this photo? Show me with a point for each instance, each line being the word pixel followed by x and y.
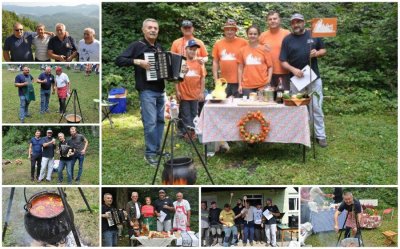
pixel 117 217
pixel 165 66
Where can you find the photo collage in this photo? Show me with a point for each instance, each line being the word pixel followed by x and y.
pixel 199 124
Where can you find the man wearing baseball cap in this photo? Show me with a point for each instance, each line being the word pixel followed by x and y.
pixel 49 145
pixel 166 206
pixel 224 54
pixel 191 90
pixel 179 45
pixel 297 49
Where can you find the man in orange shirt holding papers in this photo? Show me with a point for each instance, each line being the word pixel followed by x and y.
pixel 225 53
pixel 272 41
pixel 255 64
pixel 191 89
pixel 179 45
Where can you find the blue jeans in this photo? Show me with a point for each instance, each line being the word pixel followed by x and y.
pixel 110 238
pixel 228 231
pixel 152 110
pixel 319 125
pixel 61 166
pixel 44 100
pixel 248 232
pixel 81 158
pixel 23 107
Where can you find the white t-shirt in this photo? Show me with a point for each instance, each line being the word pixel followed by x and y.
pixel 62 80
pixel 184 203
pixel 41 47
pixel 89 52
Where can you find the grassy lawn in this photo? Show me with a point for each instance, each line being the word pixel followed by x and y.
pixel 87 89
pixel 21 174
pixel 87 224
pixel 371 237
pixel 362 150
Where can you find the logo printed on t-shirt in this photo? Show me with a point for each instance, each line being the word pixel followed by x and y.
pixel 225 56
pixel 253 60
pixel 192 73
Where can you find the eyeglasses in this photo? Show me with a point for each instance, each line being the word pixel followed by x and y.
pixel 19 30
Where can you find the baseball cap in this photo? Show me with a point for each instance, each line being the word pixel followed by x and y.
pixel 58 69
pixel 49 130
pixel 161 191
pixel 186 23
pixel 297 16
pixel 192 43
pixel 230 23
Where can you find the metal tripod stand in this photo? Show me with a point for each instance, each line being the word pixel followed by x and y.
pixel 74 95
pixel 171 127
pixel 358 234
pixel 64 201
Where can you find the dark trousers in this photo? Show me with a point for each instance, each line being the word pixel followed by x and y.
pixel 232 90
pixel 285 81
pixel 62 105
pixel 258 233
pixel 188 111
pixel 36 159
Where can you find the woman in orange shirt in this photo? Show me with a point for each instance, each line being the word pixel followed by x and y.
pixel 149 218
pixel 255 64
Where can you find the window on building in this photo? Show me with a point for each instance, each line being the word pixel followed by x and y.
pixel 293 204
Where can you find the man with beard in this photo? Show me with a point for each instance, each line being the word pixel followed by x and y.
pixel 239 221
pixel 297 49
pixel 151 93
pixel 353 208
pixel 25 91
pixel 272 41
pixel 163 205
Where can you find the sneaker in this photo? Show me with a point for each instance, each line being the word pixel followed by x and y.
pixel 28 115
pixel 151 160
pixel 47 111
pixel 256 242
pixel 22 121
pixel 251 243
pixel 244 244
pixel 77 182
pixel 48 180
pixel 322 142
pixel 41 113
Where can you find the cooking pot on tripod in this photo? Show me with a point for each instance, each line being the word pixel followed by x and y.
pixel 46 219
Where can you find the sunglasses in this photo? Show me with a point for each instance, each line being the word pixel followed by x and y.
pixel 19 29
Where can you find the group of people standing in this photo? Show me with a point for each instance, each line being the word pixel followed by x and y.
pixel 42 152
pixel 49 84
pixel 245 222
pixel 163 215
pixel 58 46
pixel 264 59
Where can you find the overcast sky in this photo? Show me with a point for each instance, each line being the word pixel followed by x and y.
pixel 55 3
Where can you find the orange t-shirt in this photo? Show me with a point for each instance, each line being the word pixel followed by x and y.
pixel 179 47
pixel 256 62
pixel 274 40
pixel 190 87
pixel 227 52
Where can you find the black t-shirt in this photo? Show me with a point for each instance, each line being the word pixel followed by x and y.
pixel 104 222
pixel 273 209
pixel 356 206
pixel 48 151
pixel 136 50
pixel 158 205
pixel 65 47
pixel 296 50
pixel 64 148
pixel 213 216
pixel 237 211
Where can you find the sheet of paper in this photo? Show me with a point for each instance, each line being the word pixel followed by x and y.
pixel 304 81
pixel 267 214
pixel 162 216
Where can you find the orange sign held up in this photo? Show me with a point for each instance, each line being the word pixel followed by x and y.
pixel 323 27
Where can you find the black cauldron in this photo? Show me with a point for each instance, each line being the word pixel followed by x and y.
pixel 184 172
pixel 51 229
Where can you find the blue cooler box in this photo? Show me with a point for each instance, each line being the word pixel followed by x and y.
pixel 118 95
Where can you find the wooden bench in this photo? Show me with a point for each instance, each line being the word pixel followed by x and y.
pixel 389 237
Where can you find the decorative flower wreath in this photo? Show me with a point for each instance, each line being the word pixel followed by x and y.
pixel 253 137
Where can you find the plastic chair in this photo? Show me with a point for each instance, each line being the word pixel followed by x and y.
pixel 388 211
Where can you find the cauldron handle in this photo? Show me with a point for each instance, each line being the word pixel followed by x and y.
pixel 26 200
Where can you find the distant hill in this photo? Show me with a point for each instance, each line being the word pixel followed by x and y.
pixel 75 18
